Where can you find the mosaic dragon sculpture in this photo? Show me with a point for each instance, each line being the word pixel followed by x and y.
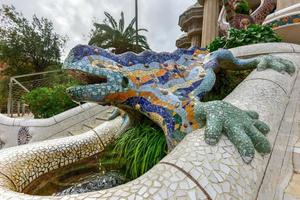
pixel 168 87
pixel 230 18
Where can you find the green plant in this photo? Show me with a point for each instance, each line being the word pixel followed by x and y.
pixel 27 45
pixel 242 7
pixel 217 43
pixel 46 102
pixel 111 34
pixel 240 37
pixel 140 148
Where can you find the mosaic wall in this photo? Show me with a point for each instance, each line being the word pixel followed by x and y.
pixel 24 136
pixel 43 157
pixel 241 21
pixel 288 20
pixel 168 87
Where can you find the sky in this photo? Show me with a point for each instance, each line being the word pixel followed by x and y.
pixel 75 18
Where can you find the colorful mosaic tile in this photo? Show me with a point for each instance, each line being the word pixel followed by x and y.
pixel 288 20
pixel 241 21
pixel 168 87
pixel 24 136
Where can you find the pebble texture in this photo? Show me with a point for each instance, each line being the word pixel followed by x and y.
pixel 197 172
pixel 94 183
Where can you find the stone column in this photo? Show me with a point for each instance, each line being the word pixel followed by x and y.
pixel 210 21
pixel 281 4
pixel 196 41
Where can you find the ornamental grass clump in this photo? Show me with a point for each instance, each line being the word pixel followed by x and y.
pixel 140 148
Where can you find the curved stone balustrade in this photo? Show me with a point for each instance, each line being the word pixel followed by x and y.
pixel 14 132
pixel 21 165
pixel 286 23
pixel 193 170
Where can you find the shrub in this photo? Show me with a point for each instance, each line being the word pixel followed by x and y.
pixel 240 37
pixel 46 102
pixel 140 148
pixel 242 7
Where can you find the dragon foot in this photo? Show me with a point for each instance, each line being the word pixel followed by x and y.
pixel 242 128
pixel 275 63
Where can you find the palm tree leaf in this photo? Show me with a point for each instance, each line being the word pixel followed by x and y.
pixel 130 26
pixel 111 20
pixel 107 35
pixel 103 27
pixel 142 29
pixel 121 23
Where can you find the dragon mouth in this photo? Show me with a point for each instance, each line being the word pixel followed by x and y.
pixel 94 84
pixel 86 78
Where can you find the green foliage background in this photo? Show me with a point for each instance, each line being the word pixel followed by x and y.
pixel 26 46
pixel 46 102
pixel 241 37
pixel 242 7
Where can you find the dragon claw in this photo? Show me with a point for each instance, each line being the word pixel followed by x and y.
pixel 244 130
pixel 278 64
pixel 211 141
pixel 247 159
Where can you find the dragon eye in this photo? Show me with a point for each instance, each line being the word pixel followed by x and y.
pixel 125 82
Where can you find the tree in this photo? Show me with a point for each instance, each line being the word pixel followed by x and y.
pixel 111 34
pixel 28 46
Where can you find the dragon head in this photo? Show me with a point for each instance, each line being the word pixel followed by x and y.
pixel 100 76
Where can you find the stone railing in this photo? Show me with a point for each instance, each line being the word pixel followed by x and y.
pixel 286 23
pixel 284 17
pixel 193 170
pixel 14 131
